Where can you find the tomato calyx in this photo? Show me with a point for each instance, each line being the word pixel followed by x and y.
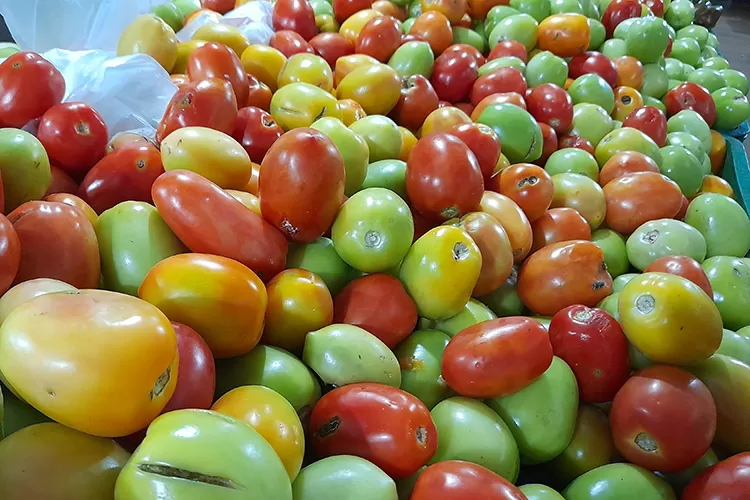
pixel 645 303
pixel 645 442
pixel 196 477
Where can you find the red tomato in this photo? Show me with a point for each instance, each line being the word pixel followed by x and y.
pixel 563 274
pixel 551 104
pixel 418 99
pixel 626 162
pixel 593 344
pixel 382 424
pixel 509 48
pixel 10 254
pixel 29 86
pixel 683 208
pixel 220 6
pixel 125 174
pixel 289 43
pixel 379 38
pixel 466 107
pixel 216 60
pixel 379 304
pixel 559 224
pixel 458 480
pixel 691 96
pixel 549 143
pixel 344 9
pixel 208 220
pixel 57 241
pixel 483 142
pixel 61 182
pixel 502 98
pixel 633 199
pixel 462 48
pixel 453 75
pixel 574 141
pixel 256 130
pixel 596 63
pixel 684 266
pixel 390 9
pixel 529 186
pixel 727 480
pixel 301 185
pixel 499 81
pixel 260 94
pixel 657 8
pixel 181 80
pixel 617 11
pixel 208 103
pixel 496 357
pixel 294 15
pixel 443 178
pixel 649 120
pixel 653 413
pixel 435 29
pixel 331 46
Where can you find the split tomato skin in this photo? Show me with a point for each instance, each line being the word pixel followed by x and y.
pixel 457 480
pixel 30 85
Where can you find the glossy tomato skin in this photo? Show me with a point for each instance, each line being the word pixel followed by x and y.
pixel 74 136
pixel 61 182
pixel 301 184
pixel 382 424
pixel 559 224
pixel 654 411
pixel 126 173
pixel 626 162
pixel 563 274
pixel 649 120
pixel 208 220
pixel 551 104
pixel 529 186
pixel 256 130
pixel 379 38
pixel 216 60
pixel 294 15
pixel 691 96
pixel 496 357
pixel 331 46
pixel 509 48
pixel 344 9
pixel 443 178
pixel 418 99
pixel 10 254
pixel 458 480
pixel 289 43
pixel 617 11
pixel 483 142
pixel 633 199
pixel 549 143
pixel 30 85
pixel 593 344
pixel 496 82
pixel 574 141
pixel 463 48
pixel 593 62
pixel 435 29
pixel 682 265
pixel 727 480
pixel 565 35
pixel 259 94
pixel 453 75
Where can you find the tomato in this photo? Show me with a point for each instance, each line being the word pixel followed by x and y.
pixel 513 220
pixel 75 201
pixel 549 143
pixel 633 199
pixel 483 142
pixel 453 75
pixel 122 139
pixel 529 186
pixel 289 43
pixel 574 141
pixel 596 63
pixel 565 35
pixel 442 120
pixel 456 480
pixel 683 266
pixel 10 254
pixel 379 38
pixel 417 100
pixel 551 104
pixel 509 48
pixel 627 101
pixel 264 63
pixel 626 162
pixel 629 72
pixel 26 291
pixel 501 98
pixel 715 184
pixel 344 9
pixel 502 80
pixel 618 11
pixel 727 480
pixel 655 410
pixel 563 274
pixel 387 426
pixel 718 152
pixel 294 15
pixel 691 96
pixel 649 120
pixel 216 60
pixel 559 224
pixel 127 173
pixel 30 85
pixel 376 88
pixel 207 103
pixel 581 193
pixel 435 29
pixel 497 357
pixel 256 130
pixel 61 183
pixel 464 48
pixel 331 46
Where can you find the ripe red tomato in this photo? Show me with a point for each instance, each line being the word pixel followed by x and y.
pixel 344 9
pixel 692 96
pixel 453 75
pixel 502 80
pixel 655 410
pixel 382 424
pixel 593 344
pixel 626 162
pixel 379 38
pixel 418 99
pixel 509 48
pixel 435 29
pixel 294 15
pixel 684 266
pixel 649 120
pixel 443 178
pixel 259 94
pixel 657 8
pixel 727 480
pixel 220 6
pixel 633 199
pixel 617 11
pixel 596 63
pixel 459 480
pixel 289 43
pixel 551 104
pixel 483 142
pixel 496 357
pixel 216 60
pixel 10 254
pixel 559 224
pixel 29 86
pixel 457 48
pixel 574 141
pixel 256 130
pixel 529 186
pixel 331 46
pixel 74 136
pixel 61 183
pixel 549 143
pixel 301 184
pixel 208 220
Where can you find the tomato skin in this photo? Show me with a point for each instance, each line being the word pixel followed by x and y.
pixel 259 95
pixel 453 75
pixel 513 220
pixel 649 120
pixel 127 173
pixel 633 199
pixel 208 220
pixel 727 480
pixel 692 96
pixel 496 357
pixel 435 29
pixel 629 72
pixel 551 104
pixel 418 99
pixel 658 407
pixel 10 254
pixel 617 11
pixel 500 81
pixel 596 63
pixel 256 130
pixel 626 162
pixel 294 15
pixel 289 43
pixel 559 224
pixel 682 265
pixel 458 480
pixel 574 141
pixel 61 183
pixel 30 85
pixel 344 9
pixel 301 184
pixel 379 38
pixel 331 46
pixel 216 60
pixel 483 142
pixel 509 48
pixel 565 35
pixel 593 344
pixel 387 426
pixel 529 186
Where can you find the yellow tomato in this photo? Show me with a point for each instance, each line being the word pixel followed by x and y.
pixel 223 33
pixel 626 100
pixel 442 120
pixel 669 319
pixel 248 199
pixel 326 23
pixel 377 88
pixel 300 104
pixel 264 63
pixel 351 111
pixel 184 50
pixel 149 35
pixel 219 298
pixel 502 163
pixel 307 68
pixel 75 201
pixel 347 64
pixel 408 141
pixel 266 411
pixel 715 184
pixel 718 152
pixel 27 290
pixel 100 362
pixel 354 24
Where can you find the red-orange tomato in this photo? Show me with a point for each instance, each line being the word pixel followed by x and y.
pixel 501 98
pixel 331 46
pixel 390 9
pixel 565 35
pixel 382 424
pixel 294 15
pixel 559 224
pixel 563 274
pixel 259 94
pixel 551 104
pixel 122 139
pixel 529 186
pixel 216 60
pixel 682 265
pixel 57 241
pixel 626 162
pixel 727 480
pixel 379 38
pixel 496 357
pixel 633 199
pixel 629 72
pixel 513 220
pixel 654 411
pixel 10 254
pixel 220 6
pixel 125 174
pixel 344 9
pixel 418 99
pixel 454 10
pixel 208 103
pixel 509 48
pixel 208 220
pixel 500 81
pixel 379 304
pixel 442 120
pixel 443 178
pixel 459 480
pixel 61 182
pixel 549 143
pixel 478 9
pixel 256 130
pixel 483 142
pixel 574 141
pixel 75 201
pixel 494 245
pixel 30 85
pixel 301 184
pixel 289 43
pixel 435 29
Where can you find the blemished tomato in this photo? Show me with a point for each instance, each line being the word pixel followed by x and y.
pixel 127 173
pixel 294 15
pixel 458 480
pixel 691 96
pixel 629 72
pixel 207 103
pixel 496 357
pixel 627 101
pixel 551 104
pixel 592 343
pixel 435 29
pixel 654 411
pixel 61 182
pixel 649 120
pixel 633 199
pixel 565 35
pixel 483 142
pixel 617 11
pixel 529 186
pixel 256 130
pixel 379 38
pixel 418 99
pixel 513 220
pixel 208 220
pixel 301 184
pixel 10 254
pixel 344 9
pixel 75 344
pixel 682 265
pixel 74 201
pixel 509 48
pixel 501 80
pixel 30 85
pixel 559 224
pixel 216 60
pixel 289 43
pixel 727 480
pixel 57 241
pixel 442 120
pixel 563 274
pixel 331 46
pixel 593 62
pixel 715 184
pixel 574 141
pixel 453 75
pixel 626 162
pixel 443 178
pixel 387 426
pixel 351 111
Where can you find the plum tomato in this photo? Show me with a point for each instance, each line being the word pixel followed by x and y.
pixel 574 141
pixel 122 139
pixel 75 201
pixel 593 344
pixel 442 120
pixel 618 11
pixel 10 254
pixel 256 130
pixel 639 197
pixel 435 29
pixel 654 411
pixel 331 46
pixel 382 424
pixel 682 265
pixel 30 85
pixel 691 96
pixel 376 88
pixel 353 26
pixel 418 99
pixel 629 72
pixel 551 104
pixel 454 10
pixel 289 43
pixel 458 480
pixel 501 80
pixel 259 94
pixel 496 357
pixel 626 162
pixel 715 184
pixel 453 75
pixel 301 184
pixel 529 186
pixel 379 38
pixel 563 274
pixel 513 220
pixel 509 48
pixel 216 60
pixel 559 224
pixel 593 62
pixel 294 15
pixel 727 480
pixel 565 35
pixel 649 120
pixel 346 64
pixel 344 9
pixel 483 142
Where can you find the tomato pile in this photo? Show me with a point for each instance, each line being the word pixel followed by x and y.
pixel 427 250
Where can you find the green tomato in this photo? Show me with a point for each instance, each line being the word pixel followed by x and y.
pixel 659 238
pixel 517 130
pixel 413 58
pixel 538 9
pixel 686 50
pixel 17 415
pixel 647 39
pixel 572 160
pixel 382 136
pixel 407 24
pixel 343 476
pixel 187 7
pixel 415 8
pixel 735 79
pixel 622 29
pixel 715 62
pixel 133 238
pixel 615 253
pixel 683 167
pixel 689 121
pixel 730 282
pixel 420 357
pixel 502 62
pixel 619 283
pixel 655 81
pixel 626 139
pixel 736 344
pixel 732 108
pixel 546 67
pixel 708 52
pixel 519 27
pixel 321 7
pixel 696 31
pixel 469 37
pixel 505 301
pixel 321 258
pixel 472 432
pixel 592 122
pixel 654 102
pixel 674 68
pixel 592 88
pixel 388 174
pixel 353 148
pixel 474 312
pixel 497 14
pixel 598 34
pixel 189 452
pixel 566 7
pixel 680 14
pixel 680 479
pixel 688 141
pixel 170 14
pixel 539 492
pixel 712 41
pixel 619 482
pixel 610 304
pixel 709 78
pixel 614 48
pixel 7 49
pixel 723 223
pixel 24 167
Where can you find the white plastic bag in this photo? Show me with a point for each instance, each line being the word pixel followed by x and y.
pixel 253 19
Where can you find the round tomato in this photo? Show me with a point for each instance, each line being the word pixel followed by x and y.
pixel 626 162
pixel 457 480
pixel 61 183
pixel 629 72
pixel 289 43
pixel 453 75
pixel 30 85
pixel 10 254
pixel 633 199
pixel 565 35
pixel 684 266
pixel 648 119
pixel 509 48
pixel 331 46
pixel 574 141
pixel 627 101
pixel 551 104
pixel 418 99
pixel 559 224
pixel 529 186
pixel 435 29
pixel 617 11
pixel 593 62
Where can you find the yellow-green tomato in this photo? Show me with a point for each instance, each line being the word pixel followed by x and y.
pixel 306 68
pixel 301 104
pixel 440 271
pixel 376 88
pixel 420 357
pixel 24 166
pixel 343 477
pixel 201 454
pixel 473 312
pixel 148 34
pixel 619 481
pixel 27 290
pixel 353 148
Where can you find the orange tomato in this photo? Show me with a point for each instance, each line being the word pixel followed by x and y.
pixel 629 72
pixel 252 184
pixel 565 35
pixel 435 29
pixel 408 140
pixel 250 200
pixel 351 111
pixel 513 220
pixel 715 184
pixel 222 300
pixel 390 9
pixel 74 201
pixel 718 152
pixel 568 83
pixel 442 120
pixel 26 291
pixel 478 9
pixel 627 99
pixel 454 10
